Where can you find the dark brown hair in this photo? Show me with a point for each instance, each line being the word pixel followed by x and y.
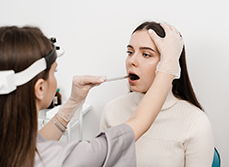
pixel 182 87
pixel 19 48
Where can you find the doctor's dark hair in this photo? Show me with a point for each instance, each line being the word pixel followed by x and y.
pixel 19 48
pixel 182 87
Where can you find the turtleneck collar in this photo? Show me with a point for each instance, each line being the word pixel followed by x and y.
pixel 169 102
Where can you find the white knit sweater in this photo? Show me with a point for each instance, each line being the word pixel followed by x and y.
pixel 181 135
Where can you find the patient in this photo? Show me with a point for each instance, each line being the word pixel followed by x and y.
pixel 181 135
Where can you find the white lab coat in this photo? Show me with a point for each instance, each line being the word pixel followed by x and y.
pixel 114 147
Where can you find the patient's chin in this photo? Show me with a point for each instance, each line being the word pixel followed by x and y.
pixel 137 88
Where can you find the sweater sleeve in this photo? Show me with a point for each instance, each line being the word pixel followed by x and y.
pixel 199 146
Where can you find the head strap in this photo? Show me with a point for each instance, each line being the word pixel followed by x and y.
pixel 9 80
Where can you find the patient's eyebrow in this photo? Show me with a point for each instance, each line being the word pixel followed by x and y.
pixel 141 48
pixel 129 46
pixel 146 48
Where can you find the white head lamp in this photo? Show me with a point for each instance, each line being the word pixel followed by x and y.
pixel 9 80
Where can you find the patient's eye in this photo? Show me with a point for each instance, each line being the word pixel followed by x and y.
pixel 146 55
pixel 129 53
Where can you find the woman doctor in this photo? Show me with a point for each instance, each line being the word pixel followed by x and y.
pixel 28 84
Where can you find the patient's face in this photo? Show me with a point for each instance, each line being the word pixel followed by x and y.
pixel 141 61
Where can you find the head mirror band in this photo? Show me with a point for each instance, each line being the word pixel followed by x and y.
pixel 51 57
pixel 29 73
pixel 9 80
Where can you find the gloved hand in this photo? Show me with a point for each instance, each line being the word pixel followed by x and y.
pixel 170 48
pixel 80 88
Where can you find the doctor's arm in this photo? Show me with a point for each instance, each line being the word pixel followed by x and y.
pixel 80 88
pixel 145 114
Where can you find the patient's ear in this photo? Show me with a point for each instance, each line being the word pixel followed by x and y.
pixel 39 89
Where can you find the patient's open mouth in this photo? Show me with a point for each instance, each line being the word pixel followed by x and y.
pixel 133 76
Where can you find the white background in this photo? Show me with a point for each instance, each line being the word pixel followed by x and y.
pixel 94 35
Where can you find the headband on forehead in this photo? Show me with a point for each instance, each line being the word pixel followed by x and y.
pixel 9 80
